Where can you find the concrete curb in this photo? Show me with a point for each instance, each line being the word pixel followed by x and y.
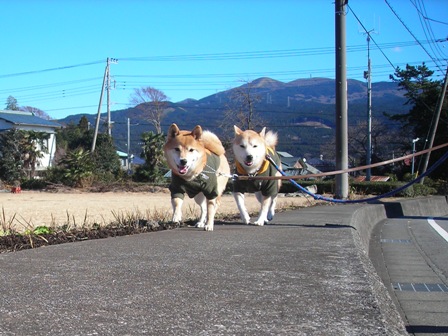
pixel 366 218
pixel 364 221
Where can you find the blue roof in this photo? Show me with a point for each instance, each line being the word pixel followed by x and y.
pixel 21 118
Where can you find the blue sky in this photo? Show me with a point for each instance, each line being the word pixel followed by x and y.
pixel 54 52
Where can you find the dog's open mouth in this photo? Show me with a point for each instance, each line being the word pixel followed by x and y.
pixel 248 163
pixel 183 169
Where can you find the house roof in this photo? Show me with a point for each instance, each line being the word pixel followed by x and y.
pixel 21 118
pixel 284 154
pixel 293 163
pixel 373 178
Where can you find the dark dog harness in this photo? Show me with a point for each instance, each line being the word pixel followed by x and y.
pixel 267 187
pixel 206 182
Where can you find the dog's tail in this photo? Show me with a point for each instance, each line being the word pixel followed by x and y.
pixel 271 139
pixel 212 143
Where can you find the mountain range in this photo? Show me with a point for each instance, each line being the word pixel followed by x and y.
pixel 301 111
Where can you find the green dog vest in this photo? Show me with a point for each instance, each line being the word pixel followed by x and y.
pixel 206 182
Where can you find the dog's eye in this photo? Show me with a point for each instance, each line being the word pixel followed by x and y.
pixel 255 146
pixel 177 149
pixel 191 150
pixel 242 146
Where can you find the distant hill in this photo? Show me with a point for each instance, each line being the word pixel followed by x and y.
pixel 302 111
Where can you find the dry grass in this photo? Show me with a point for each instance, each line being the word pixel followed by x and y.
pixel 31 209
pixel 34 219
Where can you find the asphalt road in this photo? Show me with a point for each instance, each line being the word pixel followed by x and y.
pixel 307 273
pixel 412 259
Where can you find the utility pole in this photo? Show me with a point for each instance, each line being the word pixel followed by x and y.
pixel 367 75
pixel 109 126
pixel 129 146
pixel 341 191
pixel 109 121
pixel 106 80
pixel 436 122
pixel 97 124
pixel 413 152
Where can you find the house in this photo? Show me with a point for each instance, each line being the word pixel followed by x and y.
pixel 126 160
pixel 322 164
pixel 26 121
pixel 292 165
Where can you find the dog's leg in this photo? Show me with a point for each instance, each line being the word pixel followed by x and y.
pixel 271 212
pixel 259 196
pixel 263 216
pixel 202 202
pixel 239 198
pixel 211 211
pixel 177 209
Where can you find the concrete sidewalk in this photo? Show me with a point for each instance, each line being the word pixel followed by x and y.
pixel 308 273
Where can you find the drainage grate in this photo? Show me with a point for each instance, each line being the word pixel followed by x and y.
pixel 400 241
pixel 419 287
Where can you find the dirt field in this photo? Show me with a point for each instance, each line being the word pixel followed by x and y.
pixel 30 209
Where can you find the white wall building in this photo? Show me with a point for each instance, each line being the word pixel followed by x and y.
pixel 26 121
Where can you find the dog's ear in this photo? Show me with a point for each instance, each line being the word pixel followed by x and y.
pixel 197 132
pixel 263 132
pixel 173 131
pixel 238 130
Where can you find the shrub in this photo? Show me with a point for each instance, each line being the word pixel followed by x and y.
pixel 33 184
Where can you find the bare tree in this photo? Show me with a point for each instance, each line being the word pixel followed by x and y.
pixel 385 142
pixel 152 102
pixel 35 111
pixel 241 109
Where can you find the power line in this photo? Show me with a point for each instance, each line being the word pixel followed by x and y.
pixel 50 69
pixel 427 29
pixel 124 84
pixel 425 16
pixel 45 86
pixel 371 38
pixel 412 34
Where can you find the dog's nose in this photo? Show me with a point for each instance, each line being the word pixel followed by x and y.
pixel 249 158
pixel 183 162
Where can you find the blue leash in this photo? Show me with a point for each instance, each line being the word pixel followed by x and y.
pixel 388 194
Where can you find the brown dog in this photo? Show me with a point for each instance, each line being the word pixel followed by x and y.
pixel 199 168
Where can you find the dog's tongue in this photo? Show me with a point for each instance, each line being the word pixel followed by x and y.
pixel 248 163
pixel 183 169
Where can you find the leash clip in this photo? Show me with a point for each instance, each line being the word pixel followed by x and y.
pixel 204 176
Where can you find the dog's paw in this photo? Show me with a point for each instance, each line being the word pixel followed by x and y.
pixel 259 222
pixel 208 227
pixel 200 224
pixel 245 218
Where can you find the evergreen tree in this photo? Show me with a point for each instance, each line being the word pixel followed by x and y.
pixel 423 93
pixel 152 152
pixel 11 161
pixel 104 163
pixel 11 104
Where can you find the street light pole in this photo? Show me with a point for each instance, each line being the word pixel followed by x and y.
pixel 413 152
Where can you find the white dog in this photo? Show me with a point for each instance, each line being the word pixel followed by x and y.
pixel 250 149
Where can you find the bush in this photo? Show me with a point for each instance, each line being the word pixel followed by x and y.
pixel 34 184
pixel 418 189
pixel 373 188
